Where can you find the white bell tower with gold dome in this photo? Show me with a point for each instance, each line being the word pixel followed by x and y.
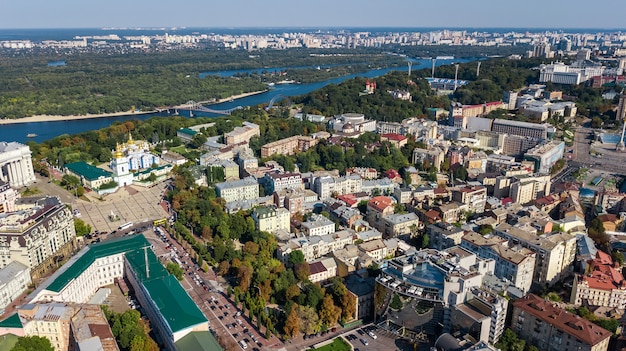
pixel 121 167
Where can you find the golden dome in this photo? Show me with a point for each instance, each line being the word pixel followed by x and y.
pixel 130 139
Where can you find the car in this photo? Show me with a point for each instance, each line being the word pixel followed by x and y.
pixel 356 349
pixel 372 335
pixel 238 314
pixel 360 331
pixel 235 335
pixel 364 342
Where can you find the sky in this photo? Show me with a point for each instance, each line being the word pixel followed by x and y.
pixel 557 14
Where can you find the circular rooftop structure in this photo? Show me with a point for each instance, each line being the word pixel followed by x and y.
pixel 353 117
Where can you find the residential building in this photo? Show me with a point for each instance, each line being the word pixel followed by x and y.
pixel 482 316
pixel 283 181
pixel 541 324
pixel 322 269
pixel 451 211
pixel 314 247
pixel 288 146
pixel 555 252
pixel 443 235
pixel 16 166
pixel 14 280
pixel 318 225
pixel 37 235
pixel 242 134
pixel 475 197
pixel 91 331
pixel 459 110
pixel 327 186
pixel 604 285
pixel 376 249
pixel 8 197
pixel 362 287
pixel 515 264
pixel 51 321
pixel 379 207
pixel 545 156
pixel 235 190
pixel 395 225
pixel 271 219
pixel 434 156
pixel 363 172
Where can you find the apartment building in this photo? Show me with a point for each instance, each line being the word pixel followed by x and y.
pixel 8 197
pixel 515 264
pixel 271 219
pixel 314 247
pixel 434 156
pixel 555 252
pixel 363 172
pixel 475 197
pixel 318 225
pixel 242 189
pixel 322 269
pixel 443 235
pixel 288 146
pixel 242 134
pixel 376 249
pixel 394 225
pixel 327 186
pixel 540 323
pixel 379 207
pixel 282 181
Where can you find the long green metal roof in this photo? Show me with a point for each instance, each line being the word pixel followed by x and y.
pixel 173 302
pixel 87 171
pixel 98 250
pixel 198 341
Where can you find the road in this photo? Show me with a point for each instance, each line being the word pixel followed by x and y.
pixel 610 161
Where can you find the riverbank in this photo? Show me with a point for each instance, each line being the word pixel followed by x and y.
pixel 47 118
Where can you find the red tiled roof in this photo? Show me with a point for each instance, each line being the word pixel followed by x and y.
pixel 569 323
pixel 393 136
pixel 392 173
pixel 379 203
pixel 349 199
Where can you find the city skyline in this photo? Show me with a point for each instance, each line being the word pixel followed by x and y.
pixel 324 14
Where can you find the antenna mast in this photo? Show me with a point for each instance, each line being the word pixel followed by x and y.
pixel 145 255
pixel 456 74
pixel 410 64
pixel 478 69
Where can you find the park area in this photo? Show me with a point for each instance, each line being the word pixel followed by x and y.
pixel 338 344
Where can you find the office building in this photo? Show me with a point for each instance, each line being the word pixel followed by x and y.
pixel 16 166
pixel 288 146
pixel 533 130
pixel 545 156
pixel 14 280
pixel 541 324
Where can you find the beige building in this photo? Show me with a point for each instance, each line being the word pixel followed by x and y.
pixel 288 146
pixel 316 246
pixel 37 234
pixel 243 189
pixel 548 327
pixel 515 264
pixel 604 285
pixel 555 252
pixel 434 156
pixel 322 269
pixel 271 219
pixel 318 225
pixel 376 249
pixel 51 321
pixel 8 196
pixel 398 224
pixel 242 134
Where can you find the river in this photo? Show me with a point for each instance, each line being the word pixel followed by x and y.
pixel 48 130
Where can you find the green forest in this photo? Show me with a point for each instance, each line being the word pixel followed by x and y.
pixel 96 83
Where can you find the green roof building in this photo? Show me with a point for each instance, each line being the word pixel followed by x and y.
pixel 91 176
pixel 172 313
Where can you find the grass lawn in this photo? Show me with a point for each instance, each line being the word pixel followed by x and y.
pixel 178 149
pixel 337 345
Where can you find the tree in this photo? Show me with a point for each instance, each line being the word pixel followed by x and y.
pixel 295 257
pixel 618 257
pixel 309 320
pixel 425 240
pixel 175 270
pixel 292 323
pixel 292 291
pixel 396 303
pixel 329 313
pixel 32 343
pixel 302 271
pixel 510 342
pixel 81 227
pixel 348 307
